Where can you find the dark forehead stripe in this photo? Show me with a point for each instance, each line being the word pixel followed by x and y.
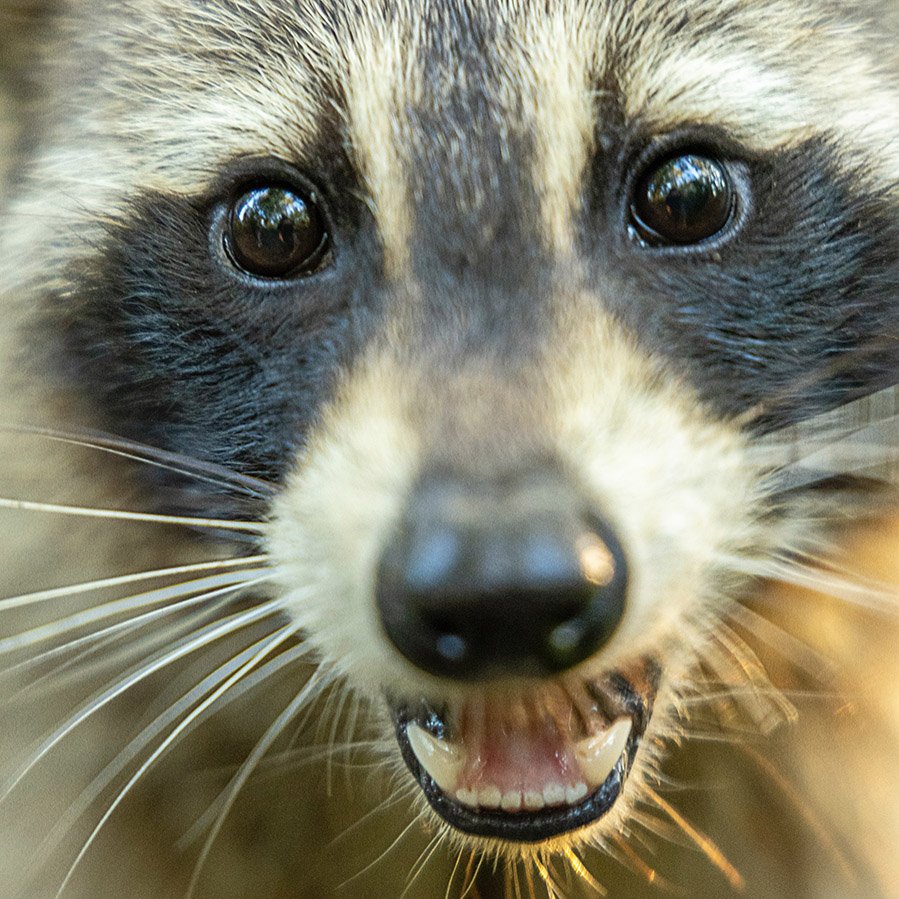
pixel 468 143
pixel 478 242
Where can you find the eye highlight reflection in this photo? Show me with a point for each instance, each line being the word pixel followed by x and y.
pixel 686 199
pixel 276 232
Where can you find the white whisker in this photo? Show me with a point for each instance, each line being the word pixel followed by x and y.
pixel 320 679
pixel 795 651
pixel 862 458
pixel 403 794
pixel 855 416
pixel 155 458
pixel 859 438
pixel 219 583
pixel 884 600
pixel 295 758
pixel 422 862
pixel 831 565
pixel 219 524
pixel 400 837
pixel 269 645
pixel 123 629
pixel 249 683
pixel 109 652
pixel 734 663
pixel 710 697
pixel 332 738
pixel 172 713
pixel 27 599
pixel 183 648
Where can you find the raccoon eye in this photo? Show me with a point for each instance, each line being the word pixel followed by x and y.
pixel 684 199
pixel 275 232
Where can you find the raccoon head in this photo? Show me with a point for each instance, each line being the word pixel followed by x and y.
pixel 500 297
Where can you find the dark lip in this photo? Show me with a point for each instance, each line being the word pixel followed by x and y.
pixel 535 827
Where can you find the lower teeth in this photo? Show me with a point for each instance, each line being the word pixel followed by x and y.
pixel 597 756
pixel 531 801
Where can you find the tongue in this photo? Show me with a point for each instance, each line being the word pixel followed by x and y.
pixel 526 759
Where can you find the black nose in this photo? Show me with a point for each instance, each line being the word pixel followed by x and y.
pixel 511 577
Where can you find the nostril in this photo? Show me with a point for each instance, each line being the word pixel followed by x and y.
pixel 563 643
pixel 452 648
pixel 479 588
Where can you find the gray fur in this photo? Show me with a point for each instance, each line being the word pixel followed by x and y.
pixel 484 308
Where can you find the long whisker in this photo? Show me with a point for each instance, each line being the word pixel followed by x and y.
pixel 218 524
pixel 826 558
pixel 158 726
pixel 123 628
pixel 269 645
pixel 711 697
pixel 403 794
pixel 791 648
pixel 858 438
pixel 106 652
pixel 27 599
pixel 849 418
pixel 858 456
pixel 421 863
pixel 296 758
pixel 276 768
pixel 547 876
pixel 771 706
pixel 332 739
pixel 320 679
pixel 229 581
pixel 582 871
pixel 811 818
pixel 140 452
pixel 885 600
pixel 396 842
pixel 703 842
pixel 350 743
pixel 183 648
pixel 637 863
pixel 821 373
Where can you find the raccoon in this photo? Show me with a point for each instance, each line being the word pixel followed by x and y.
pixel 449 448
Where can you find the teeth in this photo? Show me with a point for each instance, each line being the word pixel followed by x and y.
pixel 599 754
pixel 442 760
pixel 575 794
pixel 554 794
pixel 511 801
pixel 530 801
pixel 490 797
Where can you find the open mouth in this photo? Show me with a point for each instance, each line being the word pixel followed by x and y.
pixel 528 767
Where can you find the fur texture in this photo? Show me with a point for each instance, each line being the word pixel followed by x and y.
pixel 730 408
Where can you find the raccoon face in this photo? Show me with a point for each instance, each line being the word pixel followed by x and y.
pixel 501 298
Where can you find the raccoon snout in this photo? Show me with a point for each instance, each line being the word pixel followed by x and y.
pixel 510 576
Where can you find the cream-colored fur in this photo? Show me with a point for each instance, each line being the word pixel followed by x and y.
pixel 808 809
